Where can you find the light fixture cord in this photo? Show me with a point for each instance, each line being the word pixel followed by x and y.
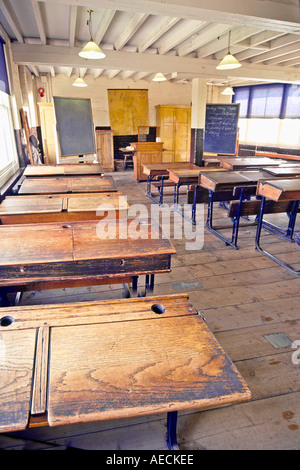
pixel 229 42
pixel 89 23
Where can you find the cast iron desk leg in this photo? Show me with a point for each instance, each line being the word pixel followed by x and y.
pixel 290 230
pixel 171 430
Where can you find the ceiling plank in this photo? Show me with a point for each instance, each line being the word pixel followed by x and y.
pixel 187 30
pixel 39 20
pixel 165 25
pixel 134 24
pixel 11 19
pixel 207 34
pixel 104 24
pixel 267 14
pixel 72 25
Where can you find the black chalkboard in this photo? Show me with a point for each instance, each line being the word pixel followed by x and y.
pixel 75 127
pixel 221 126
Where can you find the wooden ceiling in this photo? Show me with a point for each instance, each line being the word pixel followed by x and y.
pixel 183 39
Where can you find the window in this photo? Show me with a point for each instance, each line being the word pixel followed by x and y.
pixel 275 100
pixel 8 151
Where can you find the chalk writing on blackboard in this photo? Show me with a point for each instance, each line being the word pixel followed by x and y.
pixel 221 125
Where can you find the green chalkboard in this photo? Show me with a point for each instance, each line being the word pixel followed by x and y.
pixel 221 127
pixel 74 125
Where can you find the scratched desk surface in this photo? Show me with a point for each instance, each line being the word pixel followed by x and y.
pixel 67 184
pixel 29 209
pixel 40 254
pixel 217 180
pixel 93 361
pixel 64 169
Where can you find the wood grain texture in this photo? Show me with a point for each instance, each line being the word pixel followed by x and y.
pixel 282 189
pixel 63 169
pixel 50 185
pixel 16 366
pixel 241 162
pixel 81 251
pixel 28 209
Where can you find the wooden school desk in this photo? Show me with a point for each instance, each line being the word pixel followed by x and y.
pixel 154 170
pixel 92 361
pixel 62 207
pixel 225 186
pixel 283 171
pixel 279 190
pixel 56 255
pixel 68 169
pixel 67 184
pixel 190 178
pixel 241 163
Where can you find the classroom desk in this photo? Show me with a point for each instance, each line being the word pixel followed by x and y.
pixel 283 171
pixel 154 170
pixel 279 190
pixel 57 255
pixel 66 169
pixel 241 184
pixel 67 184
pixel 241 163
pixel 188 177
pixel 92 361
pixel 62 207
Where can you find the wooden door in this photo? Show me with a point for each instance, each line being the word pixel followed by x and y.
pixel 166 130
pixel 105 149
pixel 182 143
pixel 47 121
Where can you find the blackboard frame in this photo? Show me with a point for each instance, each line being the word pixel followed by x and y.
pixel 221 137
pixel 74 126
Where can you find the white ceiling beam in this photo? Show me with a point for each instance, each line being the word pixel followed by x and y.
pixel 166 24
pixel 97 73
pixel 286 57
pixel 72 25
pixel 39 20
pixel 134 24
pixel 12 20
pixel 26 54
pixel 111 73
pixel 273 42
pixel 267 14
pixel 207 34
pixel 187 30
pixel 280 51
pixel 126 74
pixel 236 35
pixel 103 25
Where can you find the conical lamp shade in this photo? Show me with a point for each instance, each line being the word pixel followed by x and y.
pixel 79 82
pixel 159 77
pixel 91 51
pixel 228 62
pixel 228 91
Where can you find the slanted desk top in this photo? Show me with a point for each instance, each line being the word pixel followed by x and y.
pixel 280 190
pixel 62 207
pixel 240 163
pixel 111 359
pixel 283 171
pixel 67 184
pixel 64 169
pixel 78 251
pixel 161 169
pixel 218 180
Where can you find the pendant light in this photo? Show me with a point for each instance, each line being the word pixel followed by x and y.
pixel 79 82
pixel 159 77
pixel 228 91
pixel 91 50
pixel 229 61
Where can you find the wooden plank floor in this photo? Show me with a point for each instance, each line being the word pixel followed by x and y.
pixel 243 296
